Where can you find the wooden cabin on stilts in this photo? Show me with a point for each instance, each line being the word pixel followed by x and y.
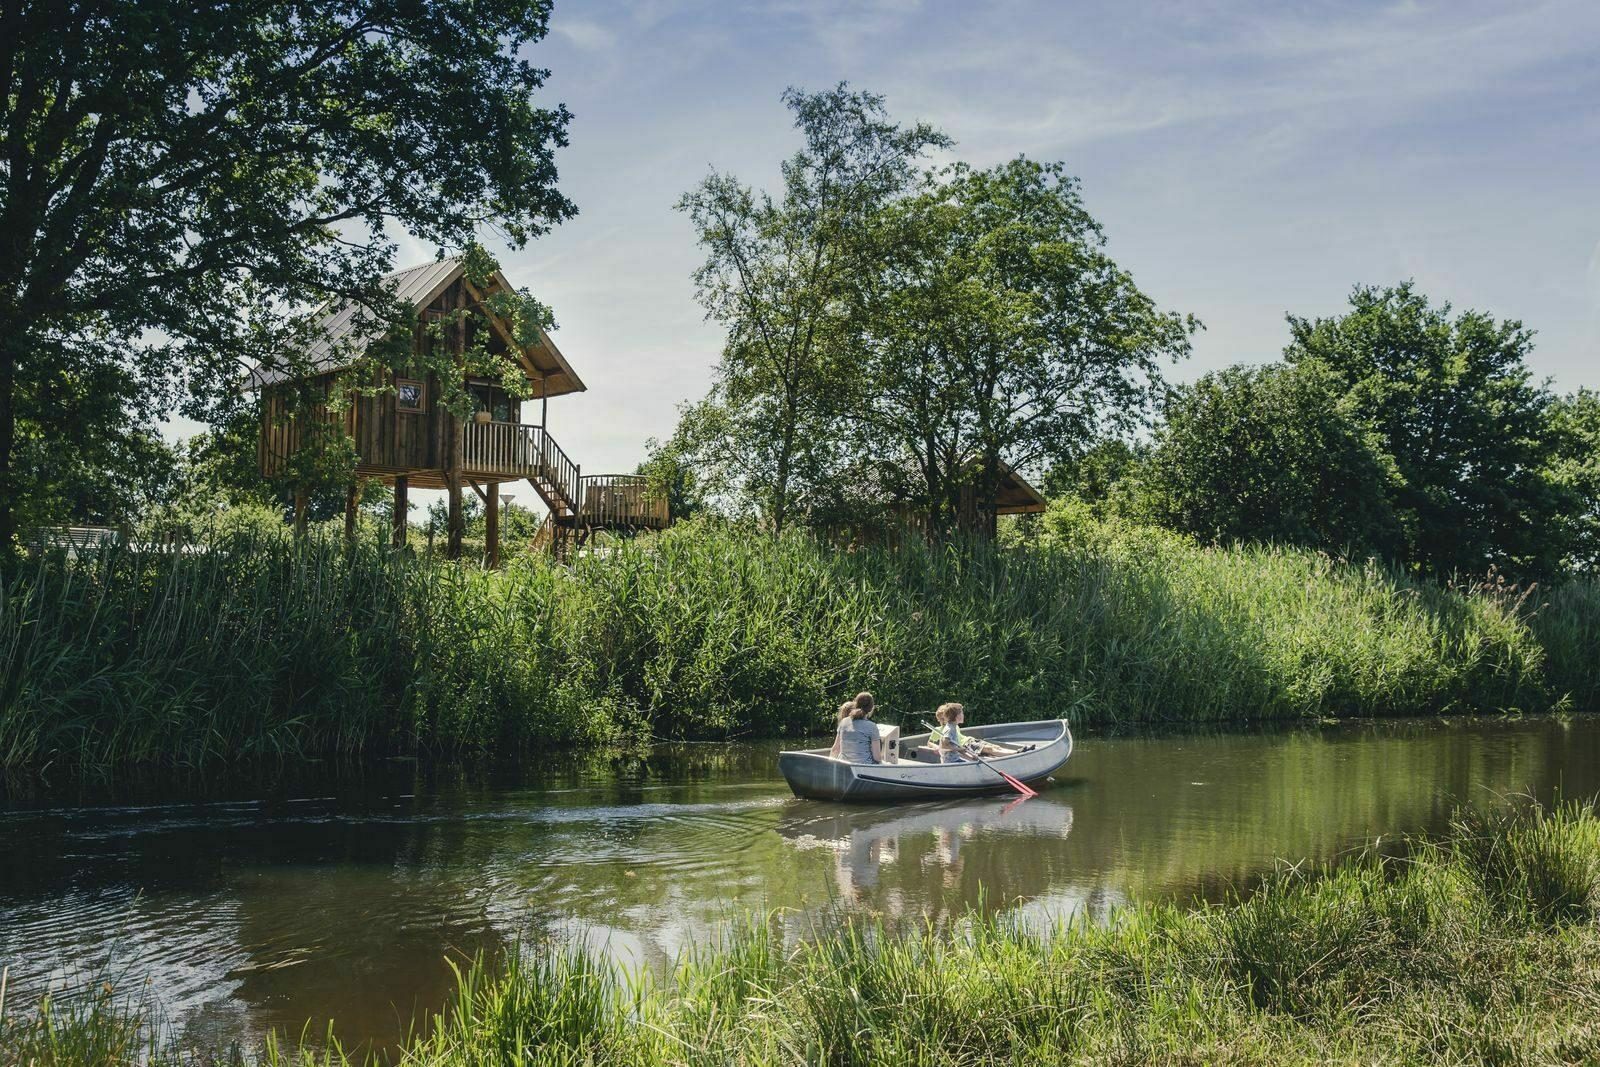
pixel 404 437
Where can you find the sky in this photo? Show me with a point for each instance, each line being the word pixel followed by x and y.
pixel 1246 160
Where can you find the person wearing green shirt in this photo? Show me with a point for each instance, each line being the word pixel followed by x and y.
pixel 957 747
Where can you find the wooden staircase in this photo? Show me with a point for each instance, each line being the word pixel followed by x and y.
pixel 579 505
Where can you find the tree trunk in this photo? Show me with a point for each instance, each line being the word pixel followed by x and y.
pixel 987 499
pixel 300 504
pixel 780 487
pixel 8 433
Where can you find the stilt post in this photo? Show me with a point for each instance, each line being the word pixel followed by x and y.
pixel 455 524
pixel 491 523
pixel 351 496
pixel 398 537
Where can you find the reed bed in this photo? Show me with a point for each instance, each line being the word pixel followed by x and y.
pixel 1482 946
pixel 258 645
pixel 1566 622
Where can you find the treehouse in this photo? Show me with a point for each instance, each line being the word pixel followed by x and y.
pixel 404 436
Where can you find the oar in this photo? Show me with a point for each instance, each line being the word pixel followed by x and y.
pixel 1014 783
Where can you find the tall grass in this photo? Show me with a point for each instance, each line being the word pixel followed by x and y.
pixel 1451 955
pixel 1566 622
pixel 261 645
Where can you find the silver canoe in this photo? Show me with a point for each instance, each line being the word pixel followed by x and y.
pixel 919 775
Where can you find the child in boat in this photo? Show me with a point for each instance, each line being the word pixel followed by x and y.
pixel 957 747
pixel 844 713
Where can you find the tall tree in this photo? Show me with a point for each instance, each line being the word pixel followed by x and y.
pixel 1000 332
pixel 1455 405
pixel 174 176
pixel 1273 453
pixel 776 271
pixel 96 460
pixel 1575 467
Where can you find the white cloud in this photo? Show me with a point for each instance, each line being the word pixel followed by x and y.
pixel 590 36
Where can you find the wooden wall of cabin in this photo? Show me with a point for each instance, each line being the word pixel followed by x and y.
pixel 391 441
pixel 281 435
pixel 387 440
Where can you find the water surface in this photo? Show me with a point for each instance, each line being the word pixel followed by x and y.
pixel 341 892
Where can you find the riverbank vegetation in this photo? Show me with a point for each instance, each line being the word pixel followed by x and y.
pixel 1480 946
pixel 262 645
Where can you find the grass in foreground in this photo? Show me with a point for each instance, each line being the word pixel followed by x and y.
pixel 1482 947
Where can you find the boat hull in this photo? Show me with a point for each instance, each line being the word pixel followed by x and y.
pixel 813 774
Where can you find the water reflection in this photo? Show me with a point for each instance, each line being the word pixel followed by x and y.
pixel 911 861
pixel 340 892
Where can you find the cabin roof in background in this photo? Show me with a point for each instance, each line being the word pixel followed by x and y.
pixel 1016 495
pixel 343 331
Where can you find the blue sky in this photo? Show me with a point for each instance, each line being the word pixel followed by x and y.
pixel 1246 159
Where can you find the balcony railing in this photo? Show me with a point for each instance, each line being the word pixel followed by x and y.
pixel 623 500
pixel 521 450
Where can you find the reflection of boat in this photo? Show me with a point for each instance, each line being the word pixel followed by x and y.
pixel 882 853
pixel 813 825
pixel 919 775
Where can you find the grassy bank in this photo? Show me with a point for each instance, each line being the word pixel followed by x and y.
pixel 260 646
pixel 1481 947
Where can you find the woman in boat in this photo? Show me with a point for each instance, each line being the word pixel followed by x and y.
pixel 957 747
pixel 857 739
pixel 888 736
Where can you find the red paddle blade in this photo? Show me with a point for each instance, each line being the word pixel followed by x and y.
pixel 1017 785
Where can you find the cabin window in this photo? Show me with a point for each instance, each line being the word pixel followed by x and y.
pixel 410 396
pixel 500 405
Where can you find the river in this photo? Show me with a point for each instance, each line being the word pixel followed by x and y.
pixel 341 892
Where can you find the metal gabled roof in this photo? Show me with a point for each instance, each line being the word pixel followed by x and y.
pixel 342 330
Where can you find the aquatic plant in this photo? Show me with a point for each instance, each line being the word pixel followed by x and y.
pixel 258 645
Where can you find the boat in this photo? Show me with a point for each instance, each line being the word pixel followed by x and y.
pixel 1046 744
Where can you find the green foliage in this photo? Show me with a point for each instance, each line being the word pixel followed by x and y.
pixel 672 471
pixel 180 174
pixel 87 448
pixel 1575 468
pixel 891 342
pixel 1275 454
pixel 1471 950
pixel 256 645
pixel 997 330
pixel 1453 404
pixel 776 270
pixel 1093 473
pixel 1531 864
